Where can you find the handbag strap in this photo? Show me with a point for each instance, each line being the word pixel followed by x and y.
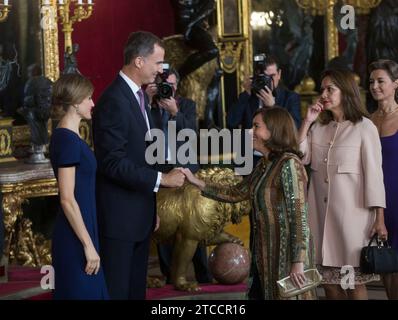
pixel 378 242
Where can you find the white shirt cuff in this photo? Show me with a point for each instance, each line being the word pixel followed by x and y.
pixel 156 189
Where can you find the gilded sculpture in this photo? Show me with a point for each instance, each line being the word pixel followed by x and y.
pixel 22 245
pixel 188 218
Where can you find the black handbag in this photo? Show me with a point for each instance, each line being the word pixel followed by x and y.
pixel 378 259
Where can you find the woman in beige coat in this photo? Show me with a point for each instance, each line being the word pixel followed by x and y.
pixel 346 194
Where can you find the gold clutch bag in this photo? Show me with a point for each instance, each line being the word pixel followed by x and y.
pixel 287 289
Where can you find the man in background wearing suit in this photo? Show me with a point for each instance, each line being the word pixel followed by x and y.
pixel 182 111
pixel 126 184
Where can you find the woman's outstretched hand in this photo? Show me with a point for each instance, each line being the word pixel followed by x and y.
pixel 193 180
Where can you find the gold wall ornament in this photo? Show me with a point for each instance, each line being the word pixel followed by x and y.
pixel 230 53
pixel 18 183
pixel 22 245
pixel 6 140
pixel 21 134
pixel 306 86
pixel 5 8
pixel 85 132
pixel 70 12
pixel 319 7
pixel 363 6
pixel 332 34
pixel 50 39
pixel 246 65
pixel 5 143
pixel 306 90
pixel 12 211
pixel 314 7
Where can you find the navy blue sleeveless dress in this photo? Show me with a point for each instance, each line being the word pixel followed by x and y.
pixel 69 261
pixel 389 148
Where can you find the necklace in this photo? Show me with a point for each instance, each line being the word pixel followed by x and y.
pixel 382 113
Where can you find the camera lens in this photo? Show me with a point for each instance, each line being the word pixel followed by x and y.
pixel 261 81
pixel 165 90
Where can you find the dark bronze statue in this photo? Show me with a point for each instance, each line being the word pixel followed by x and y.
pixel 36 111
pixel 292 43
pixel 192 23
pixel 7 71
pixel 382 33
pixel 70 60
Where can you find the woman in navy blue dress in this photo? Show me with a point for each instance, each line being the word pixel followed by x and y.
pixel 76 262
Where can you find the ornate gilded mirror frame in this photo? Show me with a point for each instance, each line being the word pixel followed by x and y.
pixel 50 59
pixel 234 42
pixel 49 26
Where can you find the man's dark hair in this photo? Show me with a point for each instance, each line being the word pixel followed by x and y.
pixel 175 72
pixel 270 60
pixel 140 43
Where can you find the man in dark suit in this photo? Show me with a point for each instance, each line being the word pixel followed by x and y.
pixel 182 111
pixel 240 115
pixel 126 184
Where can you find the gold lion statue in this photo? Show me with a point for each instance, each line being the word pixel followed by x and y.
pixel 187 218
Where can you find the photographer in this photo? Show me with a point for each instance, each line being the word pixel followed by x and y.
pixel 241 113
pixel 165 107
pixel 266 71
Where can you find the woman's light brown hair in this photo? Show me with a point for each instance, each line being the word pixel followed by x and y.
pixel 71 89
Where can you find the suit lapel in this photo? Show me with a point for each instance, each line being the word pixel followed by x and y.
pixel 280 97
pixel 148 113
pixel 135 107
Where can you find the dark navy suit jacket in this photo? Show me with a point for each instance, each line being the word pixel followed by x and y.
pixel 125 182
pixel 241 113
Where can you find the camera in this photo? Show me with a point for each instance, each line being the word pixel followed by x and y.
pixel 164 88
pixel 260 79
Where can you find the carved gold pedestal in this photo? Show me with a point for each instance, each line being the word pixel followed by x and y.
pixel 18 183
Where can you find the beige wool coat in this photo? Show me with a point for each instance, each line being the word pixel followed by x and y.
pixel 346 182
